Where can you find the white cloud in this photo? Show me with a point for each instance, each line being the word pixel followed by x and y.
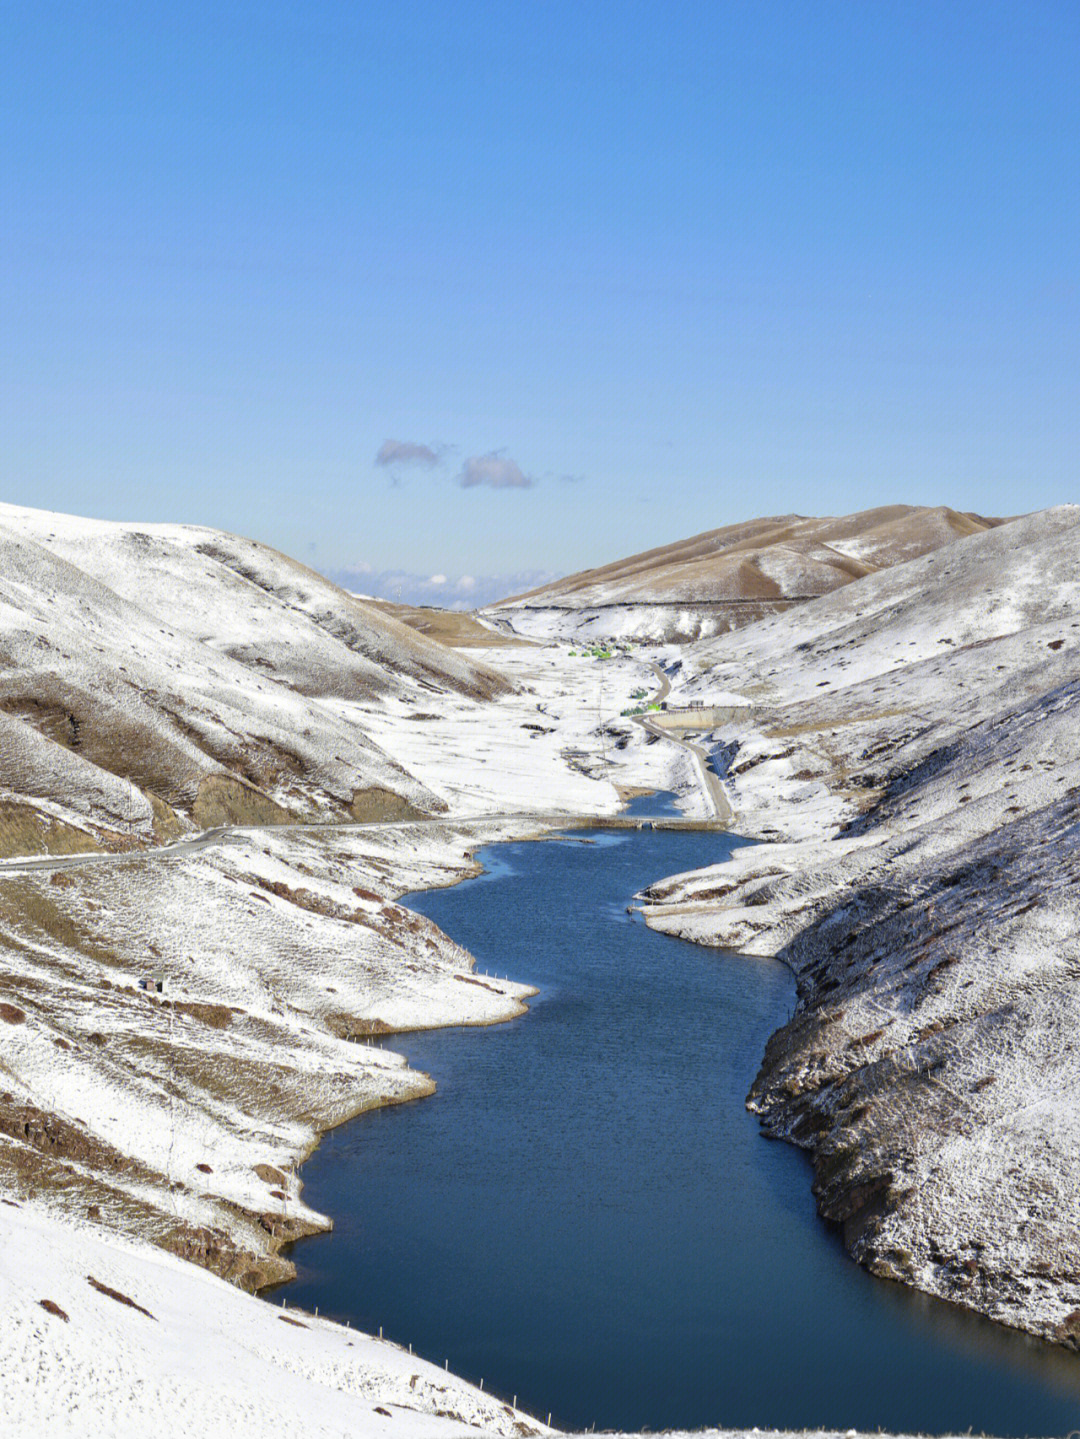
pixel 467 592
pixel 408 452
pixel 496 470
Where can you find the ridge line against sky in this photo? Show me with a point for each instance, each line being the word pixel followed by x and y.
pixel 503 291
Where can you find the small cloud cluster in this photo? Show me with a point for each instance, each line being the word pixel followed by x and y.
pixel 496 470
pixel 408 452
pixel 466 592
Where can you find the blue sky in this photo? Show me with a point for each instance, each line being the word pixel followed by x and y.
pixel 607 274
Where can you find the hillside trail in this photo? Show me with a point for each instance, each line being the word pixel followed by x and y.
pixel 222 834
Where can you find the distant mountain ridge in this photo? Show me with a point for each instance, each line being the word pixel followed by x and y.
pixel 725 578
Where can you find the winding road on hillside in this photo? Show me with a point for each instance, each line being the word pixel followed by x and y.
pixel 710 783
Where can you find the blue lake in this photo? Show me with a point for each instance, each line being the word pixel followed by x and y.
pixel 586 1216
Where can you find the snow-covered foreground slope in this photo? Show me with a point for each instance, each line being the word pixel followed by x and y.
pixel 913 752
pixel 106 1336
pixel 103 1336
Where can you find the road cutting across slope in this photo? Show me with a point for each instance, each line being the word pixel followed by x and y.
pixel 710 783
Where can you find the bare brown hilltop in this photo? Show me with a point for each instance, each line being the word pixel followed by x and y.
pixel 723 579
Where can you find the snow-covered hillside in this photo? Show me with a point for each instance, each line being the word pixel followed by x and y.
pixel 105 1336
pixel 913 753
pixel 166 678
pixel 181 1115
pixel 159 681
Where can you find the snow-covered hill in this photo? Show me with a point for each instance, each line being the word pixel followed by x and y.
pixel 159 682
pixel 724 579
pixel 912 751
pixel 162 678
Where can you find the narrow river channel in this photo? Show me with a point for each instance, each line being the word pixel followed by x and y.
pixel 586 1216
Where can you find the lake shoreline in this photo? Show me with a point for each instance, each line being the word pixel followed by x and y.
pixel 453 1063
